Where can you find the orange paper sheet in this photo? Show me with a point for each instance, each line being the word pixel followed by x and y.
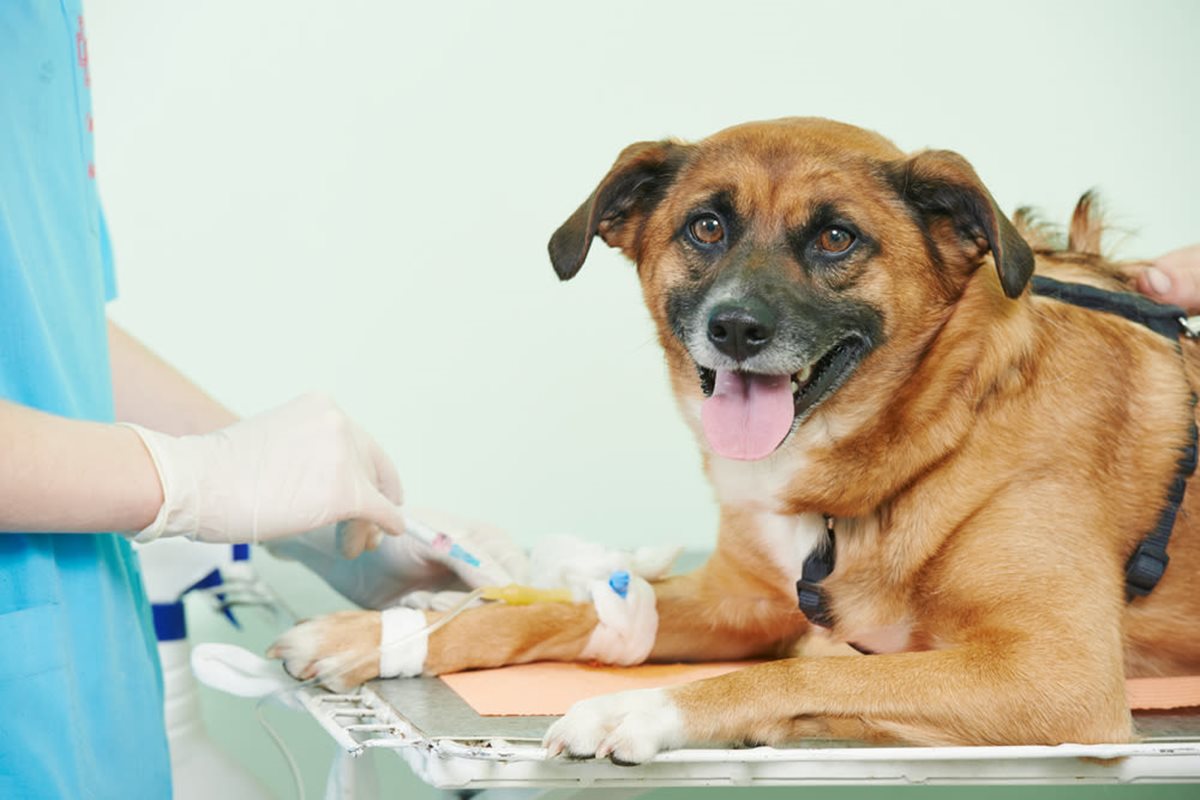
pixel 1161 693
pixel 551 688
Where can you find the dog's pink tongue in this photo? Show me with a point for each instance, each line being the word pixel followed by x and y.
pixel 748 415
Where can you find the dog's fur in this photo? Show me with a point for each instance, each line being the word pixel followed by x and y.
pixel 991 463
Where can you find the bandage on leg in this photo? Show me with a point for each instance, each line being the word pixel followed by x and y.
pixel 403 643
pixel 628 624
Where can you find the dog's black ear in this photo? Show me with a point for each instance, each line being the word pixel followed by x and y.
pixel 942 185
pixel 629 192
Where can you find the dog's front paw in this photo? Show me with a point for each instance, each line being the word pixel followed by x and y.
pixel 628 727
pixel 341 650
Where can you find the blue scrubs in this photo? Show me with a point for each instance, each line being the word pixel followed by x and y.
pixel 80 688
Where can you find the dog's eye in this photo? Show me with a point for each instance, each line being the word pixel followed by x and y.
pixel 707 229
pixel 835 240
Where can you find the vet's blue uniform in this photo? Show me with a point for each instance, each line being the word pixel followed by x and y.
pixel 80 688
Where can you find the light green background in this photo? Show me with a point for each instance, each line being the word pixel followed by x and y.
pixel 356 196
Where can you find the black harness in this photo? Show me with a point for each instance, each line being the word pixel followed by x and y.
pixel 1149 560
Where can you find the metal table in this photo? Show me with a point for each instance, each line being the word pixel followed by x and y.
pixel 451 747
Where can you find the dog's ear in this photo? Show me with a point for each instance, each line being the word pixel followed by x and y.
pixel 942 185
pixel 629 192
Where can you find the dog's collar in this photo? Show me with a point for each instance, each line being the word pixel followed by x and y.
pixel 814 601
pixel 817 567
pixel 1146 565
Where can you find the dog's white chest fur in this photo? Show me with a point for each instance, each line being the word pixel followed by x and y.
pixel 787 540
pixel 756 487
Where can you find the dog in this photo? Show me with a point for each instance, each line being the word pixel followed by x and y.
pixel 851 335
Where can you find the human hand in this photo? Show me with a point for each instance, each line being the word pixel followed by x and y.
pixel 405 565
pixel 1173 278
pixel 292 469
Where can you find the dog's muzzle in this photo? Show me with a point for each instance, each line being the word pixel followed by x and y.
pixel 764 380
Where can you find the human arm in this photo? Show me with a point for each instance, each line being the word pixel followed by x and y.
pixel 297 467
pixel 151 393
pixel 59 474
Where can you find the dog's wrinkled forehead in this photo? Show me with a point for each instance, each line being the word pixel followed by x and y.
pixel 777 170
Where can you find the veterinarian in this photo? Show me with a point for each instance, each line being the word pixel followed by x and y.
pixel 80 687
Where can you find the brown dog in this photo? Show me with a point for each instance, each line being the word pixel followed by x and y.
pixel 851 336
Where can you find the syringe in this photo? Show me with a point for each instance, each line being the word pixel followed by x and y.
pixel 438 541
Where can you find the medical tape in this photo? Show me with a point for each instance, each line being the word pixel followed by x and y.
pixel 627 626
pixel 401 650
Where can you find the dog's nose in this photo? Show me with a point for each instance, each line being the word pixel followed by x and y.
pixel 741 329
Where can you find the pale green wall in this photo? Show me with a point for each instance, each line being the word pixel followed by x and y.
pixel 356 196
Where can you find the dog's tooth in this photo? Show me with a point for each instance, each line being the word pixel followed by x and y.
pixel 795 386
pixel 803 375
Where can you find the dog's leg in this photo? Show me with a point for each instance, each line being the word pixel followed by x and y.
pixel 717 612
pixel 487 636
pixel 967 695
pixel 1008 666
pixel 697 620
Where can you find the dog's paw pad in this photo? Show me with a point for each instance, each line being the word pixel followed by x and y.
pixel 628 727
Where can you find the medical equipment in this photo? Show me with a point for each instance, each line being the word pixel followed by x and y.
pixel 240 672
pixel 516 594
pixel 253 670
pixel 450 746
pixel 172 568
pixel 567 569
pixel 439 541
pixel 425 723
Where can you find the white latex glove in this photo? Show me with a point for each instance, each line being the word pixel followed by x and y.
pixel 405 565
pixel 295 468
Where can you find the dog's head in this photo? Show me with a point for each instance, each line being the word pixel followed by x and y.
pixel 794 267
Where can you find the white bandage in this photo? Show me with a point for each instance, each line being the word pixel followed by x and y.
pixel 627 627
pixel 403 644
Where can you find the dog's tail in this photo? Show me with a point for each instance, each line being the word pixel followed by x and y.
pixel 1087 226
pixel 1079 255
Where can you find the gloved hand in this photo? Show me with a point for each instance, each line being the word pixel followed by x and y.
pixel 295 468
pixel 406 566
